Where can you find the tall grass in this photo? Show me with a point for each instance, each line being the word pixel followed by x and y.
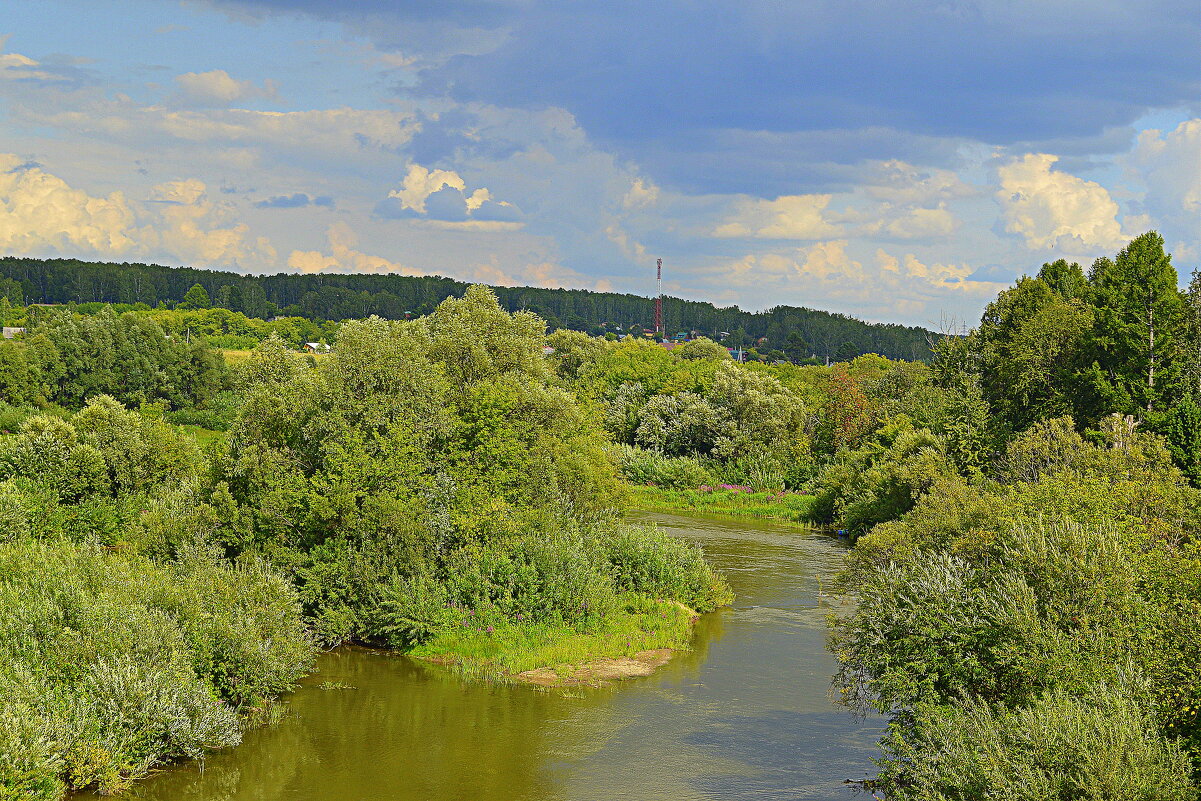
pixel 641 466
pixel 787 507
pixel 562 598
pixel 744 487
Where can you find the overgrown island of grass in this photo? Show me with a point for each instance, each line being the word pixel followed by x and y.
pixel 726 500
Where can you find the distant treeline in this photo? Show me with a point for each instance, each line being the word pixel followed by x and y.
pixel 792 331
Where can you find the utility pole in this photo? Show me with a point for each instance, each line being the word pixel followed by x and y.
pixel 659 329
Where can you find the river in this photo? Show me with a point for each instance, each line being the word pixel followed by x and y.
pixel 744 715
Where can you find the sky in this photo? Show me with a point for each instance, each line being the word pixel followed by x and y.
pixel 896 160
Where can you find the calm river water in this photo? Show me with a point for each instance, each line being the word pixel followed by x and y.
pixel 744 715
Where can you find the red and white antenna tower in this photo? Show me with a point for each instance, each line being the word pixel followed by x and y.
pixel 659 298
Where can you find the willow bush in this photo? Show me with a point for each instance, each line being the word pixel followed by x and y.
pixel 111 663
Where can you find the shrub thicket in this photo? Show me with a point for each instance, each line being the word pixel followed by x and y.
pixel 111 664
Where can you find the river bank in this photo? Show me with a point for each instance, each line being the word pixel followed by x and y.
pixel 783 507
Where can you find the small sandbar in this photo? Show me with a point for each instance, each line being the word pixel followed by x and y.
pixel 599 672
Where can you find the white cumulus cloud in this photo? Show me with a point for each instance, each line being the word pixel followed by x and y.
pixel 642 193
pixel 344 257
pixel 41 214
pixel 1053 209
pixel 219 88
pixel 440 198
pixel 193 228
pixel 786 217
pixel 15 67
pixel 1169 165
pixel 420 182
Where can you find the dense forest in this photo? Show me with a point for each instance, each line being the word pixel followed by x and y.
pixel 1023 591
pixel 789 332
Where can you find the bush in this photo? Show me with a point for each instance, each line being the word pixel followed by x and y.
pixel 931 630
pixel 413 610
pixel 11 417
pixel 1051 605
pixel 881 480
pixel 105 450
pixel 232 342
pixel 14 513
pixel 1103 746
pixel 112 664
pixel 672 472
pixel 579 579
pixel 141 453
pixel 953 516
pixel 204 418
pixel 644 560
pixel 554 578
pixel 49 452
pixel 682 425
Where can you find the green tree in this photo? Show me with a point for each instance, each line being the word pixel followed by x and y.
pixel 1027 350
pixel 1066 280
pixel 195 298
pixel 474 338
pixel 572 350
pixel 796 348
pixel 846 351
pixel 765 416
pixel 703 348
pixel 11 290
pixel 1181 427
pixel 1191 338
pixel 881 479
pixel 682 425
pixel 411 441
pixel 1140 316
pixel 20 383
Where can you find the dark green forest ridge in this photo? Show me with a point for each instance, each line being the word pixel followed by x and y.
pixel 792 331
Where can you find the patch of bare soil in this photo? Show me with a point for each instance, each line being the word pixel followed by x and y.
pixel 597 672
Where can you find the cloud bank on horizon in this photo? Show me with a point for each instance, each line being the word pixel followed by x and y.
pixel 897 160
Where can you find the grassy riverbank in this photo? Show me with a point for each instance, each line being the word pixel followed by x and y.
pixel 787 507
pixel 497 648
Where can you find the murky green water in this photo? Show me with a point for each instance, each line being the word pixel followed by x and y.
pixel 745 715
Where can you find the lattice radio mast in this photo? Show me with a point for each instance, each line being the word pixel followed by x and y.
pixel 659 298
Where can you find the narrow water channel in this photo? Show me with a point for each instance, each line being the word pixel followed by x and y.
pixel 744 715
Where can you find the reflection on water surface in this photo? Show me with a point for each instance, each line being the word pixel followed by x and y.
pixel 744 715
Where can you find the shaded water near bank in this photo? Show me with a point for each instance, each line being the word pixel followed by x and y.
pixel 744 715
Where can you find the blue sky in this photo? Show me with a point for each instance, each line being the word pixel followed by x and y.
pixel 899 161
